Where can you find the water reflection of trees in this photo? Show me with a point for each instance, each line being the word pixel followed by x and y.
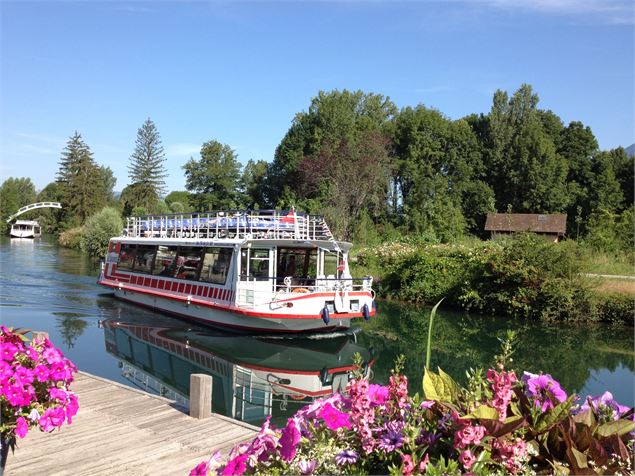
pixel 71 328
pixel 569 352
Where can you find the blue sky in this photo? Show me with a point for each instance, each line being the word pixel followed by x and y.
pixel 238 71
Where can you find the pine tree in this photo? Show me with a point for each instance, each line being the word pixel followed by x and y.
pixel 81 181
pixel 146 170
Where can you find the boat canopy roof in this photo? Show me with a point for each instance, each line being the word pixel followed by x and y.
pixel 268 227
pixel 290 243
pixel 26 222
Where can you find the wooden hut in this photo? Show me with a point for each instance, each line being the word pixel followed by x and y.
pixel 552 227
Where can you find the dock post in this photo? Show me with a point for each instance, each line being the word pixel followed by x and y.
pixel 39 335
pixel 200 396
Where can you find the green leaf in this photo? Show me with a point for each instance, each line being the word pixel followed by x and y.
pixel 587 418
pixel 439 387
pixel 430 327
pixel 619 428
pixel 554 416
pixel 577 459
pixel 483 411
pixel 500 428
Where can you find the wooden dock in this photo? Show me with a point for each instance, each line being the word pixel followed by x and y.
pixel 119 430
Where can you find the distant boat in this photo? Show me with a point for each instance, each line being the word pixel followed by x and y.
pixel 264 271
pixel 25 229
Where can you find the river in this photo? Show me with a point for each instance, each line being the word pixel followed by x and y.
pixel 48 288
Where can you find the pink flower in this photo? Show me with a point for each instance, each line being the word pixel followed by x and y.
pixel 424 463
pixel 235 466
pixel 469 435
pixel 408 465
pixel 71 408
pixel 52 355
pixel 200 469
pixel 334 418
pixel 467 458
pixel 289 441
pixel 21 427
pixel 378 394
pixel 41 373
pixel 7 351
pixel 23 374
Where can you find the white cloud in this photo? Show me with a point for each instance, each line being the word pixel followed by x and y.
pixel 613 11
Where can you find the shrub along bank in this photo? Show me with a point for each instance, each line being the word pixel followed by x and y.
pixel 93 236
pixel 524 277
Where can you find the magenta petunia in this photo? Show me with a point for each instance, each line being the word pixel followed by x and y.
pixel 378 394
pixel 7 351
pixel 21 427
pixel 334 418
pixel 289 441
pixel 200 469
pixel 236 466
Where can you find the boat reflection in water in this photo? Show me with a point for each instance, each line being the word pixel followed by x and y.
pixel 253 377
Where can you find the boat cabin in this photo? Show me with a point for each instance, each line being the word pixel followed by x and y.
pixel 25 229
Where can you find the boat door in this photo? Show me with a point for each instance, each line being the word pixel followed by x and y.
pixel 255 283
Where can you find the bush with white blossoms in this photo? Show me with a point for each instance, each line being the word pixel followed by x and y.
pixel 34 386
pixel 499 424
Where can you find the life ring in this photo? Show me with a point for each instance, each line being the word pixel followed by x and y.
pixel 301 290
pixel 297 397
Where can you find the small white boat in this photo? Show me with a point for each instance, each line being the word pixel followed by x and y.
pixel 25 229
pixel 264 271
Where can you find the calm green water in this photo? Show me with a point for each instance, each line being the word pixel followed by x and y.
pixel 45 287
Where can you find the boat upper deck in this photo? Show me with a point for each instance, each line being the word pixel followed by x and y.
pixel 232 225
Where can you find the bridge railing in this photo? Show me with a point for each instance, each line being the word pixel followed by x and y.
pixel 33 206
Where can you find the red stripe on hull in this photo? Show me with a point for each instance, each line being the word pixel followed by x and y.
pixel 232 309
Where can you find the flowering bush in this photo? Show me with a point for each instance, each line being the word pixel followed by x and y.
pixel 498 424
pixel 34 386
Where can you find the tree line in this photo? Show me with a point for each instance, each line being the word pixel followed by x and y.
pixel 374 171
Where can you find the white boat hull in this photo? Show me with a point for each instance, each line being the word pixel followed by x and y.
pixel 229 318
pixel 23 234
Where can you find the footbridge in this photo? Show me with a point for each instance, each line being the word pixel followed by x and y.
pixel 33 206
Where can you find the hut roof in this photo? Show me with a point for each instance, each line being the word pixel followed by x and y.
pixel 536 223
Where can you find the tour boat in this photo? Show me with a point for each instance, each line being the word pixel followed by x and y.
pixel 25 229
pixel 252 377
pixel 263 271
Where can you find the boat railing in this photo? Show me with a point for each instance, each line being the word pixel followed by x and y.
pixel 218 225
pixel 253 291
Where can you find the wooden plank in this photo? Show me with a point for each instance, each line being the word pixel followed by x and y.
pixel 120 430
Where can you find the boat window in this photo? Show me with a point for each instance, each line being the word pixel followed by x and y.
pixel 126 257
pixel 258 264
pixel 331 265
pixel 144 258
pixel 216 262
pixel 297 263
pixel 164 262
pixel 188 260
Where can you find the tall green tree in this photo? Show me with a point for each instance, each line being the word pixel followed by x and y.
pixel 579 147
pixel 252 182
pixel 439 173
pixel 147 166
pixel 524 169
pixel 214 179
pixel 81 181
pixel 334 118
pixel 345 179
pixel 14 194
pixel 49 218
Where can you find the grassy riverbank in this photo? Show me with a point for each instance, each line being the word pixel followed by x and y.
pixel 526 277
